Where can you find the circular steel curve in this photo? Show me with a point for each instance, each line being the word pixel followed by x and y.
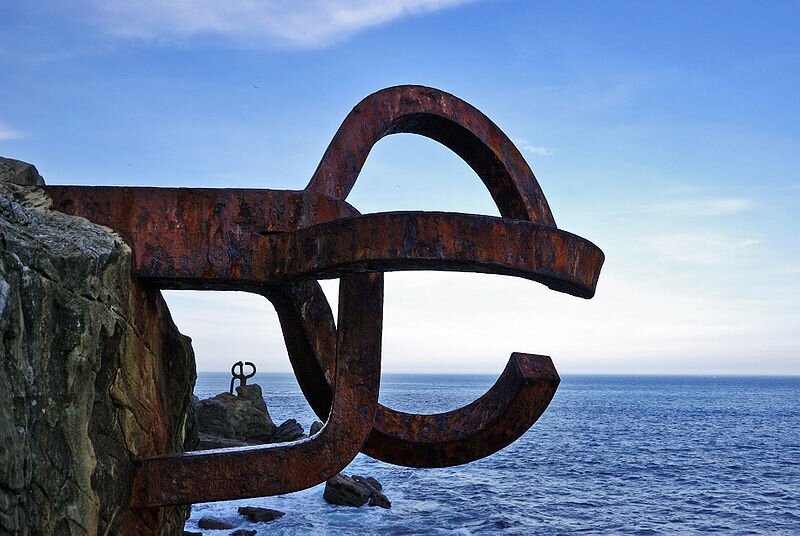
pixel 495 420
pixel 511 183
pixel 442 117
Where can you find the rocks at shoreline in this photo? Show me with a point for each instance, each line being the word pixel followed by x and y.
pixel 227 420
pixel 242 417
pixel 289 430
pixel 253 514
pixel 215 523
pixel 356 491
pixel 259 515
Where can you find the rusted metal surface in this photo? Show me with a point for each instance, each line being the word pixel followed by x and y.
pixel 199 238
pixel 216 475
pixel 279 243
pixel 241 376
pixel 444 118
pixel 495 420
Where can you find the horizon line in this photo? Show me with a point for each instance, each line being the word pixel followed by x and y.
pixel 603 374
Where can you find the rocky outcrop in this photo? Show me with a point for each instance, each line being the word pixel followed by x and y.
pixel 215 523
pixel 357 491
pixel 254 514
pixel 19 173
pixel 376 496
pixel 93 373
pixel 227 420
pixel 289 430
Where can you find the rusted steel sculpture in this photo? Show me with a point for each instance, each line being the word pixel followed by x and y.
pixel 279 243
pixel 241 376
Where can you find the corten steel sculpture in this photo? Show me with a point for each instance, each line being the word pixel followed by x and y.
pixel 241 376
pixel 279 243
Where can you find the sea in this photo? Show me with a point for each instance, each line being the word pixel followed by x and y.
pixel 611 455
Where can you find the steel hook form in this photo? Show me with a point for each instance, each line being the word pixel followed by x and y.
pixel 241 376
pixel 280 243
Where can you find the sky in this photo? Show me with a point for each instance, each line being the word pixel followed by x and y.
pixel 666 133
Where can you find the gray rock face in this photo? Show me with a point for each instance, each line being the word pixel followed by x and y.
pixel 254 514
pixel 343 490
pixel 93 374
pixel 228 420
pixel 19 172
pixel 289 430
pixel 376 497
pixel 215 523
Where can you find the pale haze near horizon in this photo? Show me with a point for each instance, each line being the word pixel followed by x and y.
pixel 667 135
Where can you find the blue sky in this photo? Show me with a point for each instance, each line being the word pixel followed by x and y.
pixel 667 133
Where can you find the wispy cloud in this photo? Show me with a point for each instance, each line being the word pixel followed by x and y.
pixel 7 133
pixel 704 207
pixel 308 24
pixel 699 248
pixel 530 148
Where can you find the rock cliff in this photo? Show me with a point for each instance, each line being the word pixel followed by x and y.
pixel 93 373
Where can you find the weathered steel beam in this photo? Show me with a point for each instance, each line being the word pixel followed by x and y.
pixel 227 251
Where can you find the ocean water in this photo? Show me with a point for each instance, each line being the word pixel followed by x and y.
pixel 611 455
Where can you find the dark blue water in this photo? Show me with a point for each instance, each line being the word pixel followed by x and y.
pixel 634 455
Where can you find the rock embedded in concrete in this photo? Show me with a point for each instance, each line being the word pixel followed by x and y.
pixel 93 375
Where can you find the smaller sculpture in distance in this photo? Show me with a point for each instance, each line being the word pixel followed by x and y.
pixel 241 376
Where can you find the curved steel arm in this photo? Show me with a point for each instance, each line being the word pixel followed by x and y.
pixel 495 420
pixel 225 474
pixel 392 241
pixel 442 117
